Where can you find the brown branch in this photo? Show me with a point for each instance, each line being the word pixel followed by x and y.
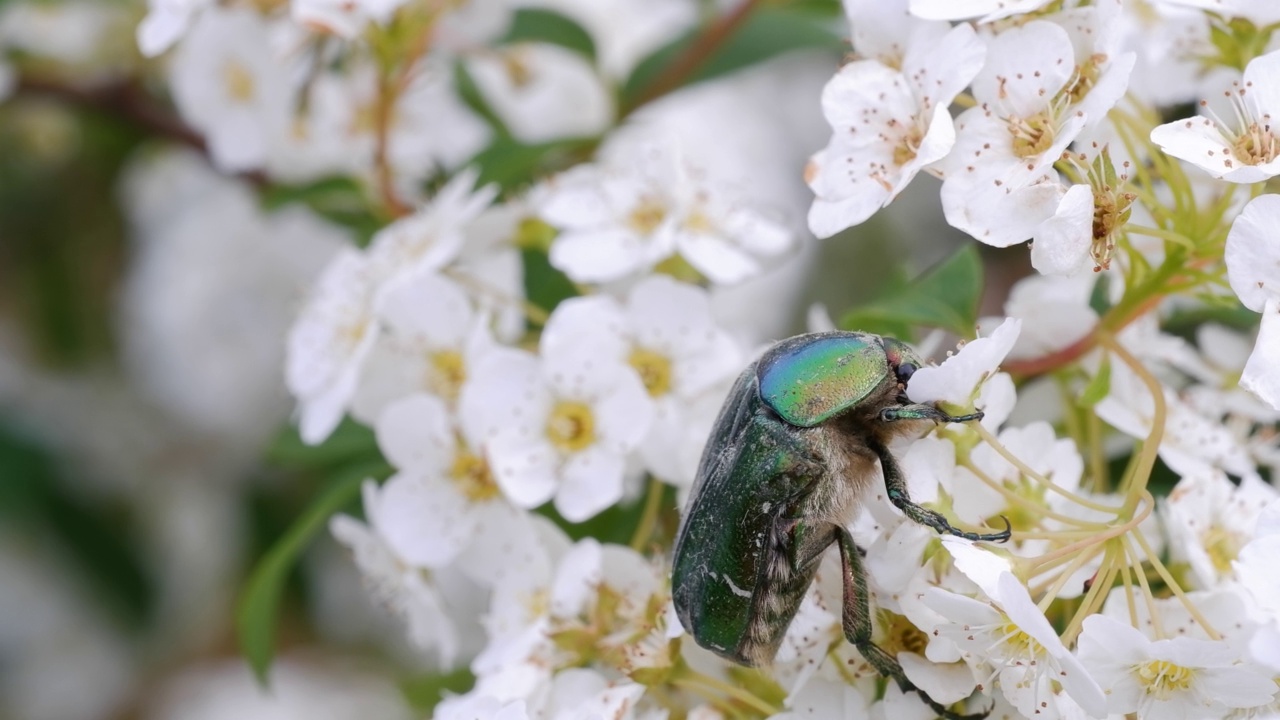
pixel 700 49
pixel 126 100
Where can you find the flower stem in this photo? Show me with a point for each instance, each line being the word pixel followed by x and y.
pixel 1165 575
pixel 649 516
pixel 695 681
pixel 1025 469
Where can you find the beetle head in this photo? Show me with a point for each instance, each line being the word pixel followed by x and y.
pixel 903 360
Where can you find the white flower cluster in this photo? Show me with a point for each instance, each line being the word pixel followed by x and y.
pixel 507 422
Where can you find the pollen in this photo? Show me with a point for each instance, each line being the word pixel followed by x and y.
pixel 1162 678
pixel 654 369
pixel 647 215
pixel 1032 136
pixel 446 371
pixel 238 81
pixel 1222 546
pixel 471 475
pixel 1019 642
pixel 571 427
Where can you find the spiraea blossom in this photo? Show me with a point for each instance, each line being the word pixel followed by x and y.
pixel 556 231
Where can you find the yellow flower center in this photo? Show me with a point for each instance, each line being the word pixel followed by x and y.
pixel 901 635
pixel 1022 644
pixel 1162 678
pixel 1257 144
pixel 654 369
pixel 907 147
pixel 1032 136
pixel 446 371
pixel 1223 546
pixel 470 473
pixel 517 66
pixel 647 215
pixel 239 82
pixel 571 426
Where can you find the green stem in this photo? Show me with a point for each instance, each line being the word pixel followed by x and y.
pixel 649 516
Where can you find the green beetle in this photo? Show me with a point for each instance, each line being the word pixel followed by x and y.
pixel 794 448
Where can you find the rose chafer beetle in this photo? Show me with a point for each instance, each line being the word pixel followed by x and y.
pixel 793 449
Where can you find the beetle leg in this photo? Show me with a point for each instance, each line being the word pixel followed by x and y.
pixel 896 486
pixel 858 627
pixel 921 411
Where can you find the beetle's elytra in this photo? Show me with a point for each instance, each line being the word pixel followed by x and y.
pixel 794 447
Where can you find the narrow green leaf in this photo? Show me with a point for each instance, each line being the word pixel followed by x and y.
pixel 470 94
pixel 260 604
pixel 538 25
pixel 1099 386
pixel 945 296
pixel 349 443
pixel 1100 296
pixel 769 32
pixel 340 199
pixel 512 165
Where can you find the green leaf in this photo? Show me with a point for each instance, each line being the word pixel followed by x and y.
pixel 260 604
pixel 426 691
pixel 340 199
pixel 349 443
pixel 470 94
pixel 538 25
pixel 769 32
pixel 1099 386
pixel 945 296
pixel 544 285
pixel 36 500
pixel 513 165
pixel 1100 296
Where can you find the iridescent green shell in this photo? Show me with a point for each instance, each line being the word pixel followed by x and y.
pixel 812 378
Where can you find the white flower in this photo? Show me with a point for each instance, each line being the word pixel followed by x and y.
pixel 646 205
pixel 1259 12
pixel 166 21
pixel 229 85
pixel 1255 563
pixel 667 334
pixel 1044 333
pixel 1168 679
pixel 959 377
pixel 432 236
pixel 559 428
pixel 963 9
pixel 1251 253
pixel 1245 150
pixel 1061 243
pixel 476 706
pixel 1251 259
pixel 1192 445
pixel 329 342
pixel 444 501
pixel 542 92
pixel 889 124
pixel 393 580
pixel 1035 94
pixel 1261 375
pixel 1209 519
pixel 429 337
pixel 1012 637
